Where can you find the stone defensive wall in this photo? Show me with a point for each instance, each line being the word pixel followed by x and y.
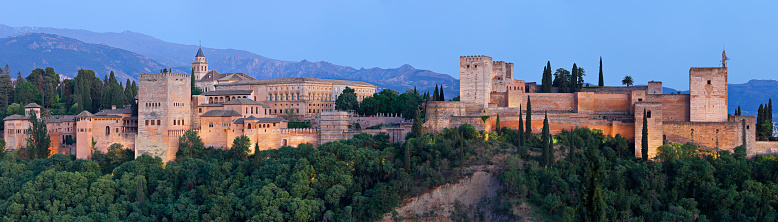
pixel 379 119
pixel 559 121
pixel 550 101
pixel 614 89
pixel 675 107
pixel 707 135
pixel 589 102
pixel 764 148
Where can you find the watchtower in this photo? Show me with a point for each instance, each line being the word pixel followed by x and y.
pixel 200 65
pixel 475 81
pixel 164 113
pixel 708 93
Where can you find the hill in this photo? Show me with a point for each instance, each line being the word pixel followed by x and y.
pixel 179 56
pixel 67 56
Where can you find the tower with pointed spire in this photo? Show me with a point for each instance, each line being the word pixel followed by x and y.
pixel 200 65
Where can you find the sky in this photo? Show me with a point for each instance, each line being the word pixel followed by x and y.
pixel 648 40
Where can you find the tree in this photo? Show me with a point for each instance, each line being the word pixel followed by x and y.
pixel 581 73
pixel 291 115
pixel 240 147
pixel 571 153
pixel 546 81
pixel 574 79
pixel 195 90
pixel 562 80
pixel 6 91
pixel 2 148
pixel 497 125
pixel 436 94
pixel 190 145
pixel 347 100
pixel 627 81
pixel 644 138
pixel 548 149
pixel 38 140
pixel 441 97
pixel 14 108
pixel 27 93
pixel 592 186
pixel 528 130
pixel 521 129
pixel 602 80
pixel 417 129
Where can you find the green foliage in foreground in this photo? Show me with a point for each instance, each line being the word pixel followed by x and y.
pixel 359 179
pixel 607 184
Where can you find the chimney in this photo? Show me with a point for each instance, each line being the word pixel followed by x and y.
pixel 113 106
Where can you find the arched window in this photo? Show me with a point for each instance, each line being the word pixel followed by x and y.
pixel 249 126
pixel 107 131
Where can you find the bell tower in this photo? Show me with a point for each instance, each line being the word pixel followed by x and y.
pixel 200 65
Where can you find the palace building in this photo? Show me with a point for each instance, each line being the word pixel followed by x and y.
pixel 232 105
pixel 490 88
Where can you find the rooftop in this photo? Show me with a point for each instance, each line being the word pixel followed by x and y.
pixel 244 101
pixel 296 80
pixel 228 92
pixel 32 105
pixel 221 113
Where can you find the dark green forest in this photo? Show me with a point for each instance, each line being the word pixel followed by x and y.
pixel 67 97
pixel 597 178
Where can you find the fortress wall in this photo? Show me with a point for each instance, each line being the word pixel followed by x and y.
pixel 367 121
pixel 653 111
pixel 763 148
pixel 439 115
pixel 551 101
pixel 708 94
pixel 589 102
pixel 709 135
pixel 559 121
pixel 295 137
pixel 615 89
pixel 499 99
pixel 675 107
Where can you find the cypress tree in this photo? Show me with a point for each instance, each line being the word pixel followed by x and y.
pixel 436 94
pixel 547 78
pixel 548 150
pixel 574 79
pixel 571 154
pixel 528 130
pixel 644 142
pixel 759 119
pixel 441 97
pixel 521 128
pixel 602 81
pixel 497 125
pixel 417 129
pixel 769 113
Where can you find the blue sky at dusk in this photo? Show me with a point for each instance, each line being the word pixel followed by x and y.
pixel 649 40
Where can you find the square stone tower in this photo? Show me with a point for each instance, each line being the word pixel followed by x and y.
pixel 475 81
pixel 655 129
pixel 164 113
pixel 708 94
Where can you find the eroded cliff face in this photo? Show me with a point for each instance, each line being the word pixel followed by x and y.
pixel 471 198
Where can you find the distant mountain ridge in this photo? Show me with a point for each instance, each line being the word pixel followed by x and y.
pixel 180 56
pixel 68 55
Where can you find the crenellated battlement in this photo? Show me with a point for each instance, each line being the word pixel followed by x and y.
pixel 474 58
pixel 501 63
pixel 153 76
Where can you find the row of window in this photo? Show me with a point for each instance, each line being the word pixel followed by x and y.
pixel 152 122
pixel 177 122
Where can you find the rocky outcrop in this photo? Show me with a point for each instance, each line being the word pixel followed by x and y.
pixel 468 198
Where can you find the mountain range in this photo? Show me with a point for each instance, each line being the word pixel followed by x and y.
pixel 129 54
pixel 113 49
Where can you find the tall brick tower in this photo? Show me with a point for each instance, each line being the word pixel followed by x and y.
pixel 708 93
pixel 475 81
pixel 200 65
pixel 164 108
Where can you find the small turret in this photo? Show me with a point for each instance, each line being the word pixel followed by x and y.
pixel 200 65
